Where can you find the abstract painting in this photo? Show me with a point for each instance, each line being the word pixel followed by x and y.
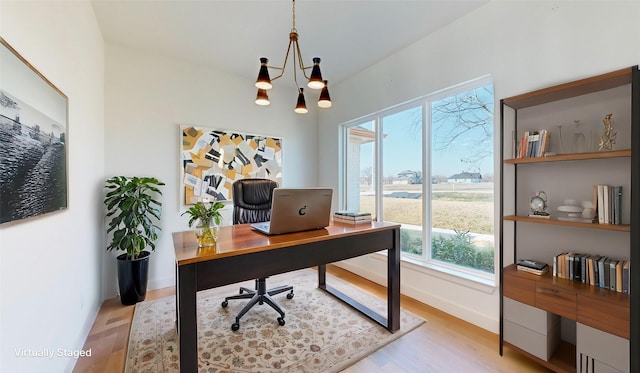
pixel 213 159
pixel 33 140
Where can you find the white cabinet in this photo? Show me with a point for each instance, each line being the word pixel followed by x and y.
pixel 531 329
pixel 600 352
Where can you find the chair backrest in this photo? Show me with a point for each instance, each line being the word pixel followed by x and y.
pixel 252 200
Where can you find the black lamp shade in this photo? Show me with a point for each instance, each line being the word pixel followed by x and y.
pixel 262 98
pixel 325 100
pixel 301 107
pixel 263 81
pixel 315 81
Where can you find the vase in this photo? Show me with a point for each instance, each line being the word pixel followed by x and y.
pixel 579 142
pixel 133 275
pixel 206 234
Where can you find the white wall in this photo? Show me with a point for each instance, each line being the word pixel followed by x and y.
pixel 149 96
pixel 50 265
pixel 524 46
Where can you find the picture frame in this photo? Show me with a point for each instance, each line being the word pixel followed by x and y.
pixel 212 160
pixel 33 140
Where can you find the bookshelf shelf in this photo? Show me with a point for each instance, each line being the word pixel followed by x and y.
pixel 571 157
pixel 608 227
pixel 529 300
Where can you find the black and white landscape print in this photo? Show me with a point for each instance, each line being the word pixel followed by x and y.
pixel 33 174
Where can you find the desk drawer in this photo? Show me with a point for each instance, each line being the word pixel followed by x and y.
pixel 520 289
pixel 559 301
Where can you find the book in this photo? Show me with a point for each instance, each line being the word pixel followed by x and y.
pixel 353 215
pixel 625 277
pixel 617 203
pixel 600 206
pixel 601 273
pixel 534 271
pixel 605 204
pixel 351 221
pixel 613 264
pixel 607 273
pixel 619 268
pixel 540 216
pixel 532 266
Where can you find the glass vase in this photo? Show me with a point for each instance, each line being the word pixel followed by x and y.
pixel 206 234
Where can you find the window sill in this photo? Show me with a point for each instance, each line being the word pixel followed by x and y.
pixel 485 284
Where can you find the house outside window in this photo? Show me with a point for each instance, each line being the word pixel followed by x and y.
pixel 428 165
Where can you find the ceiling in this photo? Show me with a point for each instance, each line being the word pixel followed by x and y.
pixel 348 35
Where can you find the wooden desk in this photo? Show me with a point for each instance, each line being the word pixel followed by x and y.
pixel 242 254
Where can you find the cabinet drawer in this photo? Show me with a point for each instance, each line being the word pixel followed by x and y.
pixel 532 318
pixel 607 316
pixel 559 301
pixel 521 289
pixel 540 345
pixel 597 348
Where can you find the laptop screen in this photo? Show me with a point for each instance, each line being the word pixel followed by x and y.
pixel 299 209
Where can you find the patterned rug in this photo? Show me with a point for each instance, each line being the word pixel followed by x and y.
pixel 321 333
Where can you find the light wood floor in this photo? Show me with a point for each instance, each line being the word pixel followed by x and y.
pixel 443 344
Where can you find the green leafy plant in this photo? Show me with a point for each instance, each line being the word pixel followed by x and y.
pixel 460 250
pixel 132 207
pixel 205 214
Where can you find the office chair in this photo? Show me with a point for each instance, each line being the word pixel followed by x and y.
pixel 252 204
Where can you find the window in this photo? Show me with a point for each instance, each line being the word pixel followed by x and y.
pixel 439 146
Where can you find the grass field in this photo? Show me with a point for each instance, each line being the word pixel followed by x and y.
pixel 463 207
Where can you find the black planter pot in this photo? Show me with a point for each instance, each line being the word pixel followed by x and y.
pixel 132 278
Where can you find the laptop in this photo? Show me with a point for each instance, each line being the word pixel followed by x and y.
pixel 297 210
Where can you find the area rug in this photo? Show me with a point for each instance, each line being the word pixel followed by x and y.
pixel 321 333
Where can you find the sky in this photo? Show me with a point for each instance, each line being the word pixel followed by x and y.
pixel 402 146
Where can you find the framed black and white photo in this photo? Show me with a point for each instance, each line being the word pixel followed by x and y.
pixel 33 140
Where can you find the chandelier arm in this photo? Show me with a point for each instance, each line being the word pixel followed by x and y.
pixel 284 65
pixel 301 62
pixel 296 47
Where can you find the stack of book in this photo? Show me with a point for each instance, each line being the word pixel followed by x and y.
pixel 608 200
pixel 601 271
pixel 533 144
pixel 532 266
pixel 351 217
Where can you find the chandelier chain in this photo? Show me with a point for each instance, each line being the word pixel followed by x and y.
pixel 293 16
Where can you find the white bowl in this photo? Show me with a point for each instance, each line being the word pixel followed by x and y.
pixel 569 208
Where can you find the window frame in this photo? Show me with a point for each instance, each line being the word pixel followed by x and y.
pixel 423 261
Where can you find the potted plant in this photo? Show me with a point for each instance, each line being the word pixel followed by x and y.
pixel 207 217
pixel 133 210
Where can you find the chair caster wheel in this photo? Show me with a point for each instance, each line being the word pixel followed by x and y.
pixel 235 326
pixel 224 304
pixel 281 321
pixel 290 295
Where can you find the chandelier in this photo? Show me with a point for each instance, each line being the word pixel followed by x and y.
pixel 315 81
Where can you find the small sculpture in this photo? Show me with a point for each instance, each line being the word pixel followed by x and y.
pixel 608 138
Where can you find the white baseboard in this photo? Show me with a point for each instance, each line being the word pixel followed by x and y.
pixel 84 334
pixel 444 305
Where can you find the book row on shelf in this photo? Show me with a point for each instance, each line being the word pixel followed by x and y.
pixel 351 217
pixel 602 271
pixel 608 200
pixel 533 144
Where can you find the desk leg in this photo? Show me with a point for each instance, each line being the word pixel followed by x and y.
pixel 393 284
pixel 186 317
pixel 322 275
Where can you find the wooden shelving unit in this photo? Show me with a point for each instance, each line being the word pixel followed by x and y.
pixel 603 310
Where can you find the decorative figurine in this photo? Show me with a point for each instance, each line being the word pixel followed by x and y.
pixel 608 138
